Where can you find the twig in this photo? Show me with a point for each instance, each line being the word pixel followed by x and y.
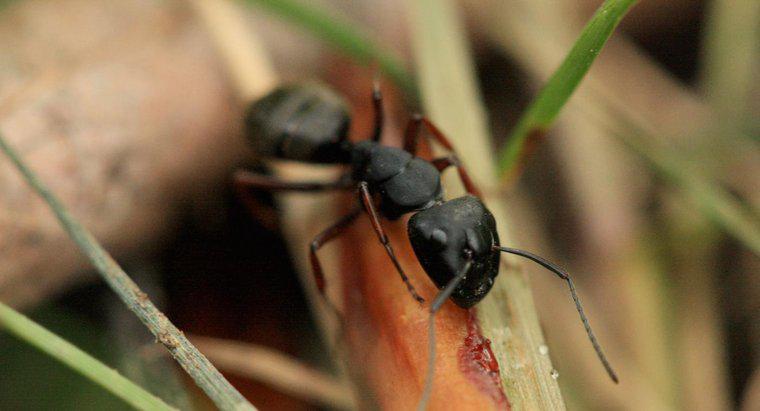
pixel 277 370
pixel 79 361
pixel 195 364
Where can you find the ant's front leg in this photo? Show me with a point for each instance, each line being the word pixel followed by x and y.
pixel 411 139
pixel 366 199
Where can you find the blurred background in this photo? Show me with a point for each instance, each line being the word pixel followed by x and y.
pixel 126 111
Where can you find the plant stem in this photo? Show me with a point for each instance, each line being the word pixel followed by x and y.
pixel 192 361
pixel 35 335
pixel 544 109
pixel 715 203
pixel 443 58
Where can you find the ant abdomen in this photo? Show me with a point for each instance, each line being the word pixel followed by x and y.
pixel 306 122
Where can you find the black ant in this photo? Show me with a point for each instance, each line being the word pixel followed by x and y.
pixel 455 241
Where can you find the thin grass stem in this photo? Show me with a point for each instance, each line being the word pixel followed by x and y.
pixel 544 109
pixel 88 366
pixel 208 378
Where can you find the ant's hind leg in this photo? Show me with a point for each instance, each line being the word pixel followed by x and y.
pixel 411 138
pixel 321 239
pixel 443 163
pixel 246 181
pixel 377 104
pixel 412 133
pixel 370 208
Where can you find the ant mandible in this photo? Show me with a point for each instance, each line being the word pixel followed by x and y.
pixel 455 241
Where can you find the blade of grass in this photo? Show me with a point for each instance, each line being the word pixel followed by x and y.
pixel 278 371
pixel 208 378
pixel 449 94
pixel 109 379
pixel 344 36
pixel 544 109
pixel 715 203
pixel 731 57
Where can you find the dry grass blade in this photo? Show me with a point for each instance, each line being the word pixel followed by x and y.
pixel 738 219
pixel 731 58
pixel 507 315
pixel 192 361
pixel 277 370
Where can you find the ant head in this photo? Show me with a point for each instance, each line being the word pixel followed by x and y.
pixel 445 236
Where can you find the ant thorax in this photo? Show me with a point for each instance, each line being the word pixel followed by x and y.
pixel 404 183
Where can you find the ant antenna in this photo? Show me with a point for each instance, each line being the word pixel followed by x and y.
pixel 441 298
pixel 565 276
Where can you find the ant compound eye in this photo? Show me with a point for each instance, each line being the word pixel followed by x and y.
pixel 439 237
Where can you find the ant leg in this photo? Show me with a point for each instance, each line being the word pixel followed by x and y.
pixel 370 208
pixel 411 138
pixel 452 160
pixel 377 104
pixel 245 181
pixel 411 134
pixel 323 238
pixel 248 180
pixel 437 134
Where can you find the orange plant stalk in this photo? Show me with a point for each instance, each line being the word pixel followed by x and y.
pixel 387 331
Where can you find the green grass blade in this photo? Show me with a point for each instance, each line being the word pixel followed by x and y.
pixel 342 35
pixel 713 201
pixel 78 360
pixel 208 378
pixel 543 110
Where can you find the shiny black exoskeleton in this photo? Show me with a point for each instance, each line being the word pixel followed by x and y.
pixel 455 241
pixel 309 123
pixel 439 236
